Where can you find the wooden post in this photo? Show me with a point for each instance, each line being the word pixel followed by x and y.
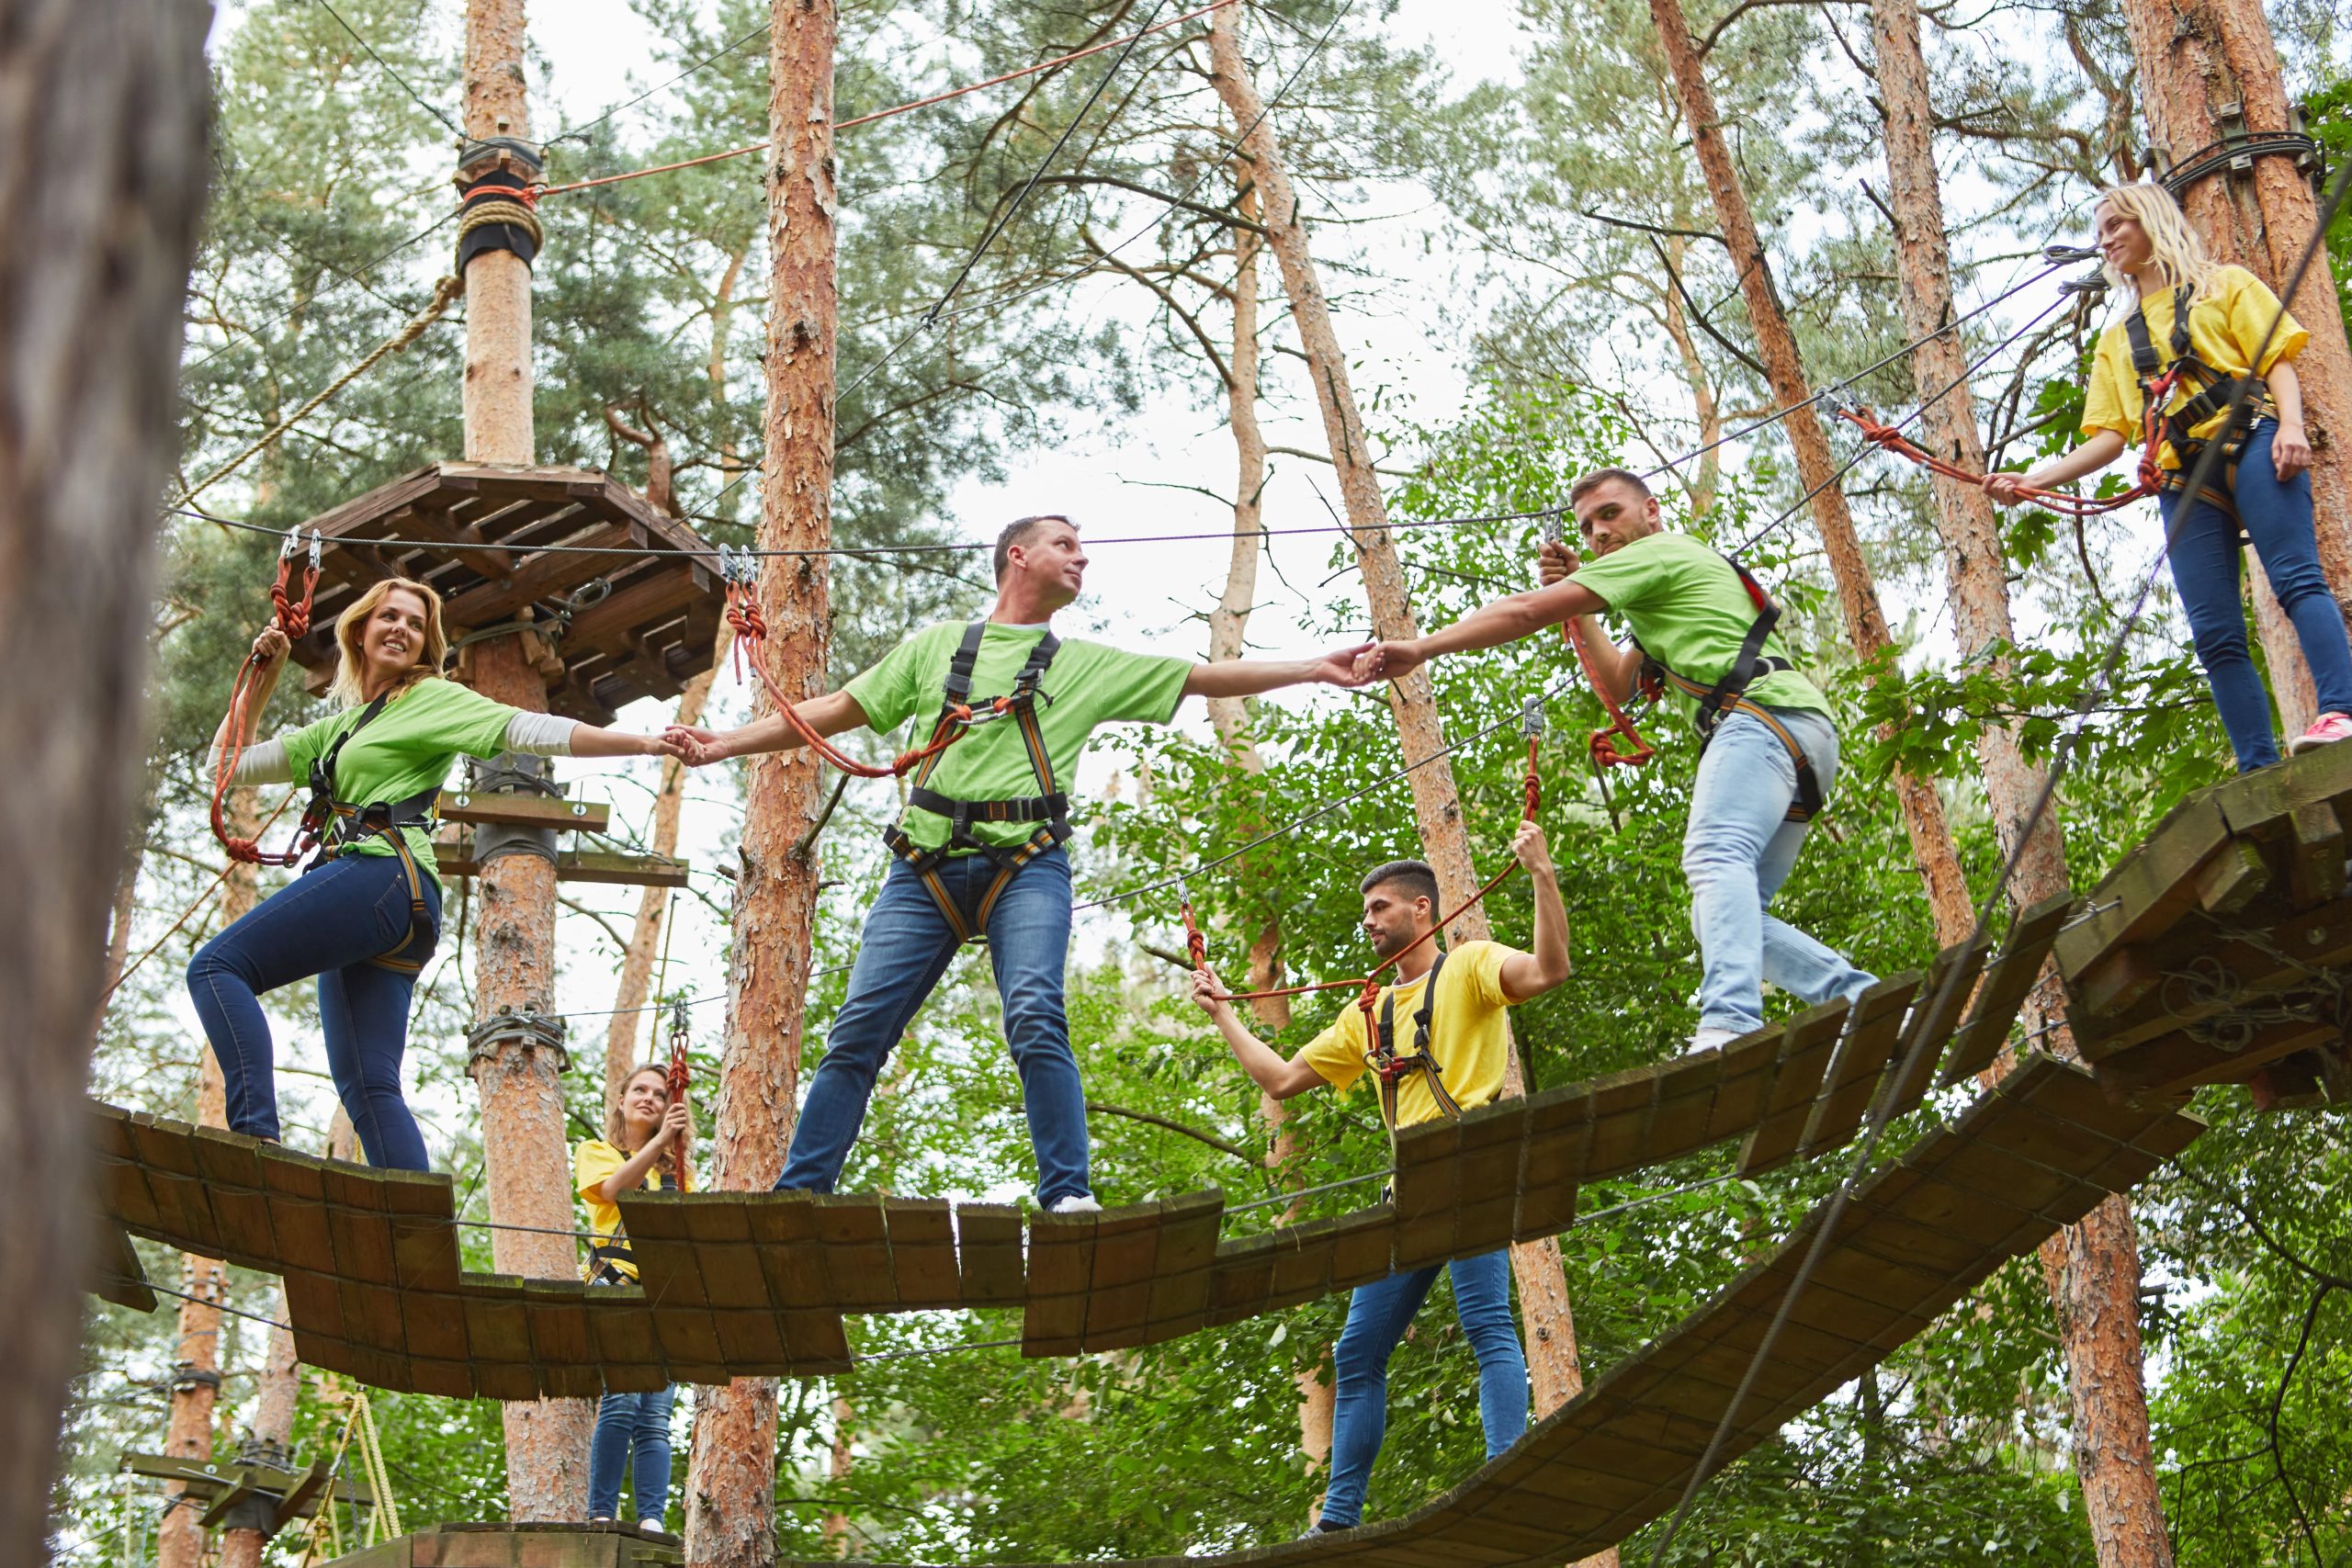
pixel 2092 1269
pixel 526 1157
pixel 2210 69
pixel 1549 1326
pixel 1923 812
pixel 730 1485
pixel 104 110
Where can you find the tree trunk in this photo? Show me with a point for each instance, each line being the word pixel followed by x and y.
pixel 645 941
pixel 497 396
pixel 2195 58
pixel 2092 1268
pixel 1705 409
pixel 1923 810
pixel 730 1490
pixel 103 164
pixel 838 1468
pixel 1548 1325
pixel 126 904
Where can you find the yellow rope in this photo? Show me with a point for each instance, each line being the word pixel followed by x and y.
pixel 372 1452
pixel 445 293
pixel 485 213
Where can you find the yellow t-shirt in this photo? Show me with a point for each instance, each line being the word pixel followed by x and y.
pixel 1469 1034
pixel 591 1164
pixel 2224 329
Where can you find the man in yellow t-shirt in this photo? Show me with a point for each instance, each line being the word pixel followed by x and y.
pixel 1448 1031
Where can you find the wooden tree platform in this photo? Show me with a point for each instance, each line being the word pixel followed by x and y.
pixel 292 1494
pixel 521 1546
pixel 647 636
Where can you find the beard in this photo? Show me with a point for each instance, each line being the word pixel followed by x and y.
pixel 1387 942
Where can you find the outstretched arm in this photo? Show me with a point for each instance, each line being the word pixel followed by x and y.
pixel 1489 626
pixel 1282 1080
pixel 2101 449
pixel 1527 975
pixel 1250 677
pixel 828 716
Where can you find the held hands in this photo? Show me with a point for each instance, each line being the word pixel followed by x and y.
pixel 1206 990
pixel 1555 560
pixel 1531 849
pixel 693 745
pixel 1388 660
pixel 1344 666
pixel 2291 450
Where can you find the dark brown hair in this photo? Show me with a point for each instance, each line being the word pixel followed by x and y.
pixel 1017 532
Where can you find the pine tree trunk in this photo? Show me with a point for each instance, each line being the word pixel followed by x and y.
pixel 1547 1323
pixel 103 164
pixel 126 904
pixel 1923 812
pixel 730 1489
pixel 2092 1268
pixel 2195 56
pixel 837 1469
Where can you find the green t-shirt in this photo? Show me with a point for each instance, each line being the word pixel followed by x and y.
pixel 1689 610
pixel 406 748
pixel 1088 684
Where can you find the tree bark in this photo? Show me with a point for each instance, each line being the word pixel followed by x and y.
pixel 195 1364
pixel 103 165
pixel 2092 1269
pixel 730 1490
pixel 837 1469
pixel 1547 1323
pixel 126 904
pixel 497 397
pixel 2195 56
pixel 1923 812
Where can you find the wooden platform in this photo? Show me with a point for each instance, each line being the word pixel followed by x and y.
pixel 651 633
pixel 291 1494
pixel 2038 1151
pixel 521 1546
pixel 757 1284
pixel 2222 947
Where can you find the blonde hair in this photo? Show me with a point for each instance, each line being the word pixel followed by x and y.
pixel 2177 253
pixel 351 662
pixel 675 1170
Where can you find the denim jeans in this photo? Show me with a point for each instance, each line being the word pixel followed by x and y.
pixel 2203 548
pixel 1377 1316
pixel 905 948
pixel 329 921
pixel 631 1425
pixel 1736 851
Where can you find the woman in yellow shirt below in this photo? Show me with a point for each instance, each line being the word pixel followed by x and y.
pixel 2228 325
pixel 644 1145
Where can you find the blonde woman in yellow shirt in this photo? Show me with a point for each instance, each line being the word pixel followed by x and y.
pixel 2229 325
pixel 644 1144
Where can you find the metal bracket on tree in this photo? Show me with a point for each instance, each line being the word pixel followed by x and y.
pixel 529 1027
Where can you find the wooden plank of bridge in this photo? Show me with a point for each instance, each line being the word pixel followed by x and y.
pixel 1456 1182
pixel 1805 1050
pixel 1552 1161
pixel 922 1235
pixel 853 1245
pixel 1916 1050
pixel 987 1240
pixel 231 1169
pixel 1178 1302
pixel 122 1184
pixel 498 1337
pixel 1127 1254
pixel 165 1150
pixel 1853 1077
pixel 1061 1266
pixel 121 1280
pixel 1242 1277
pixel 562 1346
pixel 2006 981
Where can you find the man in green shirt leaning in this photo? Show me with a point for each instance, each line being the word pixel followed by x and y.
pixel 1767 748
pixel 980 845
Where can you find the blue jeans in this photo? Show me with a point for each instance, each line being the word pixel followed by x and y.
pixel 1736 851
pixel 1377 1316
pixel 631 1425
pixel 906 947
pixel 329 921
pixel 2203 548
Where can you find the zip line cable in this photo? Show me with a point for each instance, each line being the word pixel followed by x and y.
pixel 2069 745
pixel 386 65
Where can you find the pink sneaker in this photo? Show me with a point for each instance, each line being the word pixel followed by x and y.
pixel 2329 728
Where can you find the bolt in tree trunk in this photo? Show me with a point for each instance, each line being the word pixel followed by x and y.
pixel 2199 59
pixel 1923 812
pixel 2092 1268
pixel 102 111
pixel 730 1487
pixel 526 1163
pixel 1549 1327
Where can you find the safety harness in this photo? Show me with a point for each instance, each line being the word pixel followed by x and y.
pixel 1049 808
pixel 1394 1067
pixel 2211 393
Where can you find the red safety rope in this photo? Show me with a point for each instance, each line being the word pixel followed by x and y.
pixel 1531 792
pixel 2154 395
pixel 751 636
pixel 1603 741
pixel 291 615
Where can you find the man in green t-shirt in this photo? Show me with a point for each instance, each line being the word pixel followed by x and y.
pixel 1768 750
pixel 979 846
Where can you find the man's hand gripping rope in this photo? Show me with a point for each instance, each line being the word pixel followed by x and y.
pixel 290 618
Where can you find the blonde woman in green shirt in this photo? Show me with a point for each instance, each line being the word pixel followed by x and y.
pixel 980 846
pixel 364 915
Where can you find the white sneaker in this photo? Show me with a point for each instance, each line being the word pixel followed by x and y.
pixel 1076 1203
pixel 1710 1040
